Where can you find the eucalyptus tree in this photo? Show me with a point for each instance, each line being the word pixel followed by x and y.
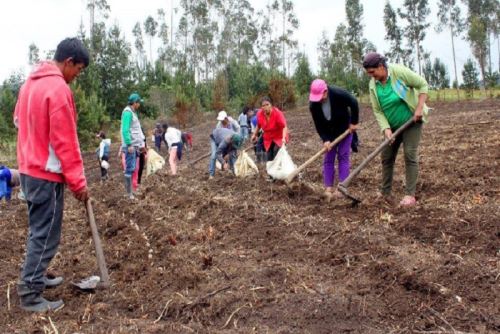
pixel 268 46
pixel 238 33
pixel 164 52
pixel 354 14
pixel 97 8
pixel 33 56
pixel 115 72
pixel 139 45
pixel 198 30
pixel 290 24
pixel 449 16
pixel 415 13
pixel 479 26
pixel 150 28
pixel 303 75
pixel 394 35
pixel 470 76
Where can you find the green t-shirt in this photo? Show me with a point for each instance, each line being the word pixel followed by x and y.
pixel 394 108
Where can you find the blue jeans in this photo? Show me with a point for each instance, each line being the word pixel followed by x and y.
pixel 45 201
pixel 243 132
pixel 130 161
pixel 213 157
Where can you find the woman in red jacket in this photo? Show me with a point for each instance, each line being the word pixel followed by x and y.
pixel 272 121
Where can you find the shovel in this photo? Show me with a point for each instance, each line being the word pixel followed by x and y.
pixel 299 169
pixel 342 187
pixel 94 282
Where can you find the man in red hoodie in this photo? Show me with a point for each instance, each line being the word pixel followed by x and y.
pixel 48 154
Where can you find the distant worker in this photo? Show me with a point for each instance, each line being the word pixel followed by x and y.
pixel 397 94
pixel 225 121
pixel 158 135
pixel 173 138
pixel 333 110
pixel 103 154
pixel 133 140
pixel 9 178
pixel 243 122
pixel 272 121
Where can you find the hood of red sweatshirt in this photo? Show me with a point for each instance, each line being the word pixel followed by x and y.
pixel 45 69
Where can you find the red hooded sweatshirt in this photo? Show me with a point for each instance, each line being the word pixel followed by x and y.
pixel 47 142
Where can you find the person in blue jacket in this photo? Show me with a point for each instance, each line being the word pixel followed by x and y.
pixel 9 178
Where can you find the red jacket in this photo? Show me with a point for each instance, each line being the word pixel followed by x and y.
pixel 273 129
pixel 47 142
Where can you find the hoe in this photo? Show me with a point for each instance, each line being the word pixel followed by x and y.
pixel 94 282
pixel 342 187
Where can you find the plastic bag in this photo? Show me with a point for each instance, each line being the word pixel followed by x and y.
pixel 154 163
pixel 281 166
pixel 104 164
pixel 245 166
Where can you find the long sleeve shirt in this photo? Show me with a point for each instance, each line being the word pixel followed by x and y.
pixel 344 110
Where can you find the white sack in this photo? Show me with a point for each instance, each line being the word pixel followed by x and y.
pixel 245 166
pixel 281 166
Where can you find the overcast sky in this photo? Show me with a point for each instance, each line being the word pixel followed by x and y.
pixel 46 22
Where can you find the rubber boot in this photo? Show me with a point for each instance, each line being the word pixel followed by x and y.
pixel 128 187
pixel 32 300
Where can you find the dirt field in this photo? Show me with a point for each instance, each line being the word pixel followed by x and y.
pixel 241 256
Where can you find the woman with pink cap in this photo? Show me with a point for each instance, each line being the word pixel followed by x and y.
pixel 334 110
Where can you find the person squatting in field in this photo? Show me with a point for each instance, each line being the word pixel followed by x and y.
pixel 273 123
pixel 333 110
pixel 397 94
pixel 48 155
pixel 223 142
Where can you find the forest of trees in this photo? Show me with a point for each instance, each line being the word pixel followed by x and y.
pixel 224 54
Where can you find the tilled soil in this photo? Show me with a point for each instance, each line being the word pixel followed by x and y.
pixel 236 255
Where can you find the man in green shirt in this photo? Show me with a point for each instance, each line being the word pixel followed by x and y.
pixel 397 94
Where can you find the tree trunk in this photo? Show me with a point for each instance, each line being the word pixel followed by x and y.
pixel 283 45
pixel 454 58
pixel 418 58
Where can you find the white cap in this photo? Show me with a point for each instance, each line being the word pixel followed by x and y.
pixel 222 115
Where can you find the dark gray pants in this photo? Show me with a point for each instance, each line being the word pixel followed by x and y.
pixel 45 201
pixel 410 138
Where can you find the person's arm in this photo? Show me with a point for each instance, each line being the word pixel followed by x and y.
pixel 101 150
pixel 255 133
pixel 412 79
pixel 63 139
pixel 220 151
pixel 235 125
pixel 127 138
pixel 285 134
pixel 352 102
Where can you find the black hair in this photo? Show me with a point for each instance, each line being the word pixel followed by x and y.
pixel 164 126
pixel 72 48
pixel 266 99
pixel 245 110
pixel 374 60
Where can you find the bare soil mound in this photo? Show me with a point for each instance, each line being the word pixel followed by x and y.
pixel 246 255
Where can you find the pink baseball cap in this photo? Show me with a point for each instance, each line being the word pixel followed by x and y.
pixel 318 87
